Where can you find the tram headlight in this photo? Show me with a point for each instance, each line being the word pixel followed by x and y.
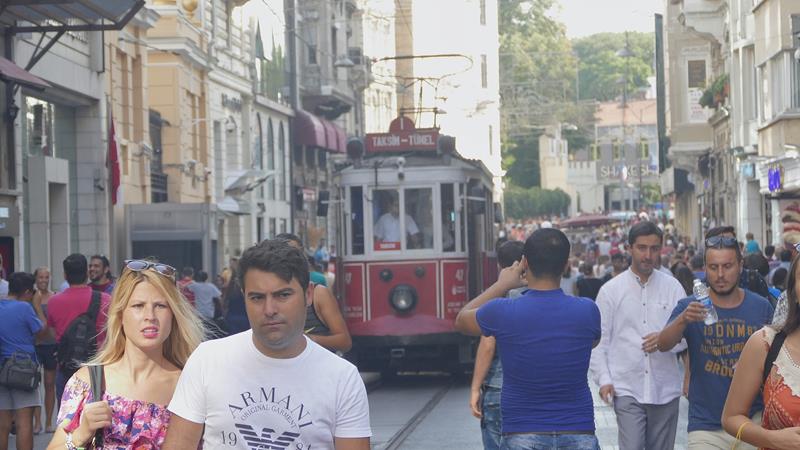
pixel 403 298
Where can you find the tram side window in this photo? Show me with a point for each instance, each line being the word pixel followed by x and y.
pixel 448 218
pixel 357 219
pixel 419 212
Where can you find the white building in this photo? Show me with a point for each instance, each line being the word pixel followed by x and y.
pixel 466 86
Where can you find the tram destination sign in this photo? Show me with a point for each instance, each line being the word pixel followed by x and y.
pixel 401 141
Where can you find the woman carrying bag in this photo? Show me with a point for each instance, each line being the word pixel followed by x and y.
pixel 19 372
pixel 151 331
pixel 768 365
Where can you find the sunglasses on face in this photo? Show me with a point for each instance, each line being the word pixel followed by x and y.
pixel 722 241
pixel 137 265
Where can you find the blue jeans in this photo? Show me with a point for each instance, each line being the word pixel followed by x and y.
pixel 528 441
pixel 491 421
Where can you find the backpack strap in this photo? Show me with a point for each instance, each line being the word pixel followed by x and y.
pixel 96 380
pixel 772 355
pixel 94 306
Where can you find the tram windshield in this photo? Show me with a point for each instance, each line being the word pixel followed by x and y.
pixel 388 229
pixel 432 219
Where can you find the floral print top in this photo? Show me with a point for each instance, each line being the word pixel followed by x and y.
pixel 135 424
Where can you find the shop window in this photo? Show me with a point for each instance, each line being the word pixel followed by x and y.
pixel 448 217
pixel 322 159
pixel 644 148
pixel 273 226
pixel 310 159
pixel 616 150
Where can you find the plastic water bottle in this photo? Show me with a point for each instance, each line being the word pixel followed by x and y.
pixel 701 294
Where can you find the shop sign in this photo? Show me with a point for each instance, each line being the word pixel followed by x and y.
pixel 400 141
pixel 630 172
pixel 232 103
pixel 775 178
pixel 309 195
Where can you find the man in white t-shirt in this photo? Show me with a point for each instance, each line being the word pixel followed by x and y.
pixel 387 228
pixel 270 387
pixel 205 294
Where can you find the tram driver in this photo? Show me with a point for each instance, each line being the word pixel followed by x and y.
pixel 387 228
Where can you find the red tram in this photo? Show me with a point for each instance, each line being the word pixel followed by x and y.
pixel 405 280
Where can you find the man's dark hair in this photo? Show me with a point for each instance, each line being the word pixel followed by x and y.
pixel 757 261
pixel 644 228
pixel 102 259
pixel 779 278
pixel 201 276
pixel 289 237
pixel 187 271
pixel 716 231
pixel 547 253
pixel 76 269
pixel 106 265
pixel 786 255
pixel 769 251
pixel 696 263
pixel 508 252
pixel 19 283
pixel 617 257
pixel 275 256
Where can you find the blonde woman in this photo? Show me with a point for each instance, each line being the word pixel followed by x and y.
pixel 151 331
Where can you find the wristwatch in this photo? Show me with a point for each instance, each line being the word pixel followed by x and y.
pixel 71 445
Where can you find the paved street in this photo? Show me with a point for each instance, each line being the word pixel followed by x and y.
pixel 449 423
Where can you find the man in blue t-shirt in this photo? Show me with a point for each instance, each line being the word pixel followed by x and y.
pixel 21 324
pixel 545 339
pixel 487 377
pixel 714 349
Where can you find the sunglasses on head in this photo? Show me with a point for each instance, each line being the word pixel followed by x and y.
pixel 138 265
pixel 722 241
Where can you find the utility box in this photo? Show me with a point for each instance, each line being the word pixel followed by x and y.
pixel 178 234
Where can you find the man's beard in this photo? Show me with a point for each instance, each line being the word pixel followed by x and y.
pixel 724 293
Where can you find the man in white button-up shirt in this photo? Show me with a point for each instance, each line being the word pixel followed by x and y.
pixel 643 384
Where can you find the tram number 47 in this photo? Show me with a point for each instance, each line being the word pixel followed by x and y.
pixel 460 274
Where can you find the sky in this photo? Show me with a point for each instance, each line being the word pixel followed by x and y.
pixel 585 17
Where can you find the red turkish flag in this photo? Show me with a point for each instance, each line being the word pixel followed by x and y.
pixel 112 162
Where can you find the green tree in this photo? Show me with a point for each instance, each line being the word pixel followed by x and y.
pixel 600 68
pixel 521 203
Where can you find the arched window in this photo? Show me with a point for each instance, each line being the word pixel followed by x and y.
pixel 281 164
pixel 258 148
pixel 270 159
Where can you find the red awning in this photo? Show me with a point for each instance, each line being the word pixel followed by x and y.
pixel 309 129
pixel 331 141
pixel 318 132
pixel 10 72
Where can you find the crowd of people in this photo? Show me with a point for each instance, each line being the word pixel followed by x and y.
pixel 123 360
pixel 629 317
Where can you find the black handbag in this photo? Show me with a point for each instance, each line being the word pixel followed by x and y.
pixel 20 371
